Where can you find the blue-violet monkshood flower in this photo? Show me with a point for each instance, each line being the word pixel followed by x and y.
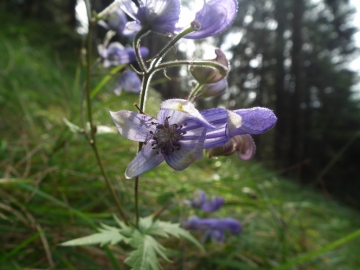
pixel 213 228
pixel 170 137
pixel 129 81
pixel 214 17
pixel 200 201
pixel 115 20
pixel 115 54
pixel 181 132
pixel 159 16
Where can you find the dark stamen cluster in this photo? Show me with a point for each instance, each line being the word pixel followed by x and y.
pixel 166 137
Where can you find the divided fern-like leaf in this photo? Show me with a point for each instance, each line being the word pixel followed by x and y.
pixel 106 235
pixel 145 255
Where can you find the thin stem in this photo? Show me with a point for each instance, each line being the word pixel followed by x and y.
pixel 144 31
pixel 171 43
pixel 194 92
pixel 92 139
pixel 204 63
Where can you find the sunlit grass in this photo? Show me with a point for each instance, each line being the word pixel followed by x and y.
pixel 51 189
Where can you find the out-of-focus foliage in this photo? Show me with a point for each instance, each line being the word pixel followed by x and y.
pixel 292 56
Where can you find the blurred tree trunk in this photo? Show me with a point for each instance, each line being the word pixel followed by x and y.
pixel 280 109
pixel 297 109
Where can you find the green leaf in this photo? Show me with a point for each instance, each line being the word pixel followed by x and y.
pixel 165 229
pixel 145 255
pixel 105 236
pixel 102 83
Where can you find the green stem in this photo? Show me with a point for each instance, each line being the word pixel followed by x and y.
pixel 204 63
pixel 194 92
pixel 136 45
pixel 92 140
pixel 172 42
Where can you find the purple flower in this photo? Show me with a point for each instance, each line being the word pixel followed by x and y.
pixel 237 122
pixel 213 228
pixel 170 137
pixel 214 17
pixel 115 54
pixel 159 16
pixel 199 201
pixel 115 19
pixel 180 132
pixel 129 81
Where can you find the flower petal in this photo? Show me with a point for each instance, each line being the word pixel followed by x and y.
pixel 254 121
pixel 129 8
pixel 144 161
pixel 214 17
pixel 187 110
pixel 132 125
pixel 188 153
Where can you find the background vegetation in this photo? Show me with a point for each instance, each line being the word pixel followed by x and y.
pixel 51 190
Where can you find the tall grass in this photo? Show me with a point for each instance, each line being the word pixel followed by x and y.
pixel 51 189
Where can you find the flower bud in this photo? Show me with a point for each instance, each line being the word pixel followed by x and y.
pixel 206 74
pixel 213 89
pixel 243 145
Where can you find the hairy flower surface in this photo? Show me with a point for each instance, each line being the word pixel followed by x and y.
pixel 159 16
pixel 176 136
pixel 214 17
pixel 213 228
pixel 200 201
pixel 129 81
pixel 229 123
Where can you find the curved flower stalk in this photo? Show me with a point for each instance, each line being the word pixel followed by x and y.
pixel 213 228
pixel 129 81
pixel 214 17
pixel 181 132
pixel 200 201
pixel 243 145
pixel 115 54
pixel 159 16
pixel 176 136
pixel 115 19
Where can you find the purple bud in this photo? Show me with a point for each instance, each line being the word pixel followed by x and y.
pixel 243 145
pixel 213 89
pixel 199 201
pixel 207 75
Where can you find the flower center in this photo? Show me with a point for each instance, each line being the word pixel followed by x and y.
pixel 166 137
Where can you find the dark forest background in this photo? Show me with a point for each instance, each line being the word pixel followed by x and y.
pixel 293 58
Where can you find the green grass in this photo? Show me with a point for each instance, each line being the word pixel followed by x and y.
pixel 52 191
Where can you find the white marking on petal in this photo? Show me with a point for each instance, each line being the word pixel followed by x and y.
pixel 234 121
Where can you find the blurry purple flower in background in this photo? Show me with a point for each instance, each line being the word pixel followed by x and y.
pixel 200 201
pixel 159 16
pixel 214 17
pixel 115 54
pixel 129 81
pixel 170 137
pixel 213 228
pixel 115 20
